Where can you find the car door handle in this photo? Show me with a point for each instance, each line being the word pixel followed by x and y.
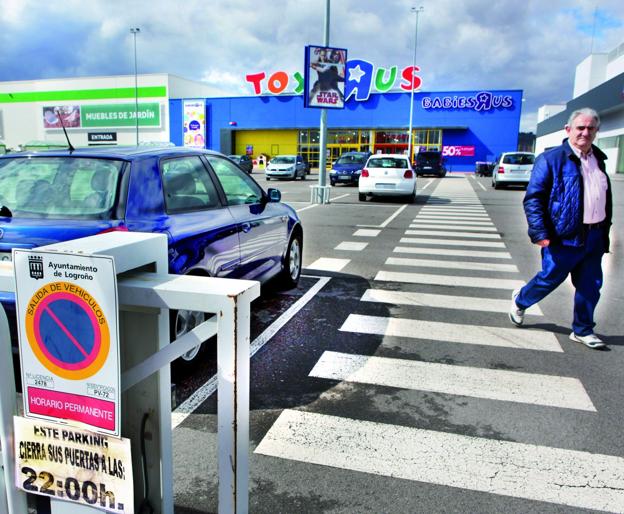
pixel 246 227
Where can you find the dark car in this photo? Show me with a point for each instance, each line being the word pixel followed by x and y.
pixel 219 222
pixel 430 163
pixel 348 167
pixel 244 162
pixel 483 168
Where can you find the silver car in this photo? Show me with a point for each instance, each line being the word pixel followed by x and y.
pixel 286 166
pixel 512 168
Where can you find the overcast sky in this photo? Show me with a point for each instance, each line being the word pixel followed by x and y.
pixel 462 45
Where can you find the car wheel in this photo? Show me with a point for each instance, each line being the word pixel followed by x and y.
pixel 361 197
pixel 182 322
pixel 268 179
pixel 333 183
pixel 289 276
pixel 497 185
pixel 411 198
pixel 303 176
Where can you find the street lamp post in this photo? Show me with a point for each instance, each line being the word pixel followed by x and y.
pixel 135 31
pixel 416 11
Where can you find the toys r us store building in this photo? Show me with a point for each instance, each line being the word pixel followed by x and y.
pixel 467 126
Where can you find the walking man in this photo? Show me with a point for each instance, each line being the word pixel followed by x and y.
pixel 568 208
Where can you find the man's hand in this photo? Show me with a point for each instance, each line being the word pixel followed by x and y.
pixel 543 243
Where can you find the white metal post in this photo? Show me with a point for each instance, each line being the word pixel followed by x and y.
pixel 135 31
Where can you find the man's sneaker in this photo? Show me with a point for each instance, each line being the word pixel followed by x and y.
pixel 590 340
pixel 516 315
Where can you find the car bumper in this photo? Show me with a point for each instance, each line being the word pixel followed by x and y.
pixel 386 187
pixel 344 178
pixel 280 174
pixel 508 178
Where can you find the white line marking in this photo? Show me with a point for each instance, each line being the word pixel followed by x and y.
pixel 448 216
pixel 430 263
pixel 308 207
pixel 480 185
pixel 449 280
pixel 328 264
pixel 434 226
pixel 387 222
pixel 435 219
pixel 566 477
pixel 443 301
pixel 452 242
pixel 451 234
pixel 491 384
pixel 479 216
pixel 351 246
pixel 453 333
pixel 186 408
pixel 425 186
pixel 449 252
pixel 366 232
pixel 339 197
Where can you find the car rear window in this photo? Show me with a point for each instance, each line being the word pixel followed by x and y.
pixel 518 158
pixel 59 187
pixel 428 157
pixel 387 162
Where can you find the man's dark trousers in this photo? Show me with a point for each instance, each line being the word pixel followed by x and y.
pixel 584 265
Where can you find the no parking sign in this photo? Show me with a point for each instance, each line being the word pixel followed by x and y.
pixel 68 334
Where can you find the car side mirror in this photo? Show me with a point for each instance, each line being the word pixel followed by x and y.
pixel 274 195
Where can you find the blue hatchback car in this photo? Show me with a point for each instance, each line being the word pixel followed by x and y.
pixel 348 167
pixel 219 222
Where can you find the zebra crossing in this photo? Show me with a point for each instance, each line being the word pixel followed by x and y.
pixel 456 221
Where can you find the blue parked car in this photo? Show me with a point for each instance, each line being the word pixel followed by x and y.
pixel 219 222
pixel 347 169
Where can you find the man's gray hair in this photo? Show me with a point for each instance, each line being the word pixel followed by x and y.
pixel 585 111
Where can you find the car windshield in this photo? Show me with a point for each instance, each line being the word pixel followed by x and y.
pixel 519 158
pixel 388 162
pixel 283 160
pixel 351 159
pixel 59 187
pixel 234 157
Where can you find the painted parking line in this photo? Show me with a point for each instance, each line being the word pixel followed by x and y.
pixel 351 246
pixel 489 384
pixel 435 331
pixel 540 473
pixel 366 232
pixel 328 264
pixel 449 280
pixel 385 223
pixel 185 409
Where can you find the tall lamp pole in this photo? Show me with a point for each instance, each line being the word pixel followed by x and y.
pixel 410 135
pixel 135 31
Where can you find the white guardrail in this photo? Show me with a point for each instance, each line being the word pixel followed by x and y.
pixel 146 292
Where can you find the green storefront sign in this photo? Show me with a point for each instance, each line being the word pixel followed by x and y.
pixel 120 115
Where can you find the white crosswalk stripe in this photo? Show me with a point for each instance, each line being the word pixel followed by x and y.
pixel 432 225
pixel 452 253
pixel 451 242
pixel 442 301
pixel 448 280
pixel 492 384
pixel 453 333
pixel 459 235
pixel 566 477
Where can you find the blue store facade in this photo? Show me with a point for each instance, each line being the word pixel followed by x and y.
pixel 467 126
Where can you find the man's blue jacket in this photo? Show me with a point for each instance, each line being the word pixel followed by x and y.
pixel 553 203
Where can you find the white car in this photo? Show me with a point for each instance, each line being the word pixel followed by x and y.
pixel 387 175
pixel 512 168
pixel 286 166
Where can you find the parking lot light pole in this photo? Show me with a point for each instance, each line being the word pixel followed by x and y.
pixel 323 197
pixel 410 135
pixel 135 31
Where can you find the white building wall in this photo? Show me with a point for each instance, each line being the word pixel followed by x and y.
pixel 591 72
pixel 546 111
pixel 22 122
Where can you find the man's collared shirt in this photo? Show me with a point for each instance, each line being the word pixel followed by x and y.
pixel 594 187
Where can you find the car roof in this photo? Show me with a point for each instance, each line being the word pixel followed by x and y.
pixel 515 153
pixel 128 153
pixel 394 155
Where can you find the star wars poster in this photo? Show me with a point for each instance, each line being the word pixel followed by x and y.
pixel 324 81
